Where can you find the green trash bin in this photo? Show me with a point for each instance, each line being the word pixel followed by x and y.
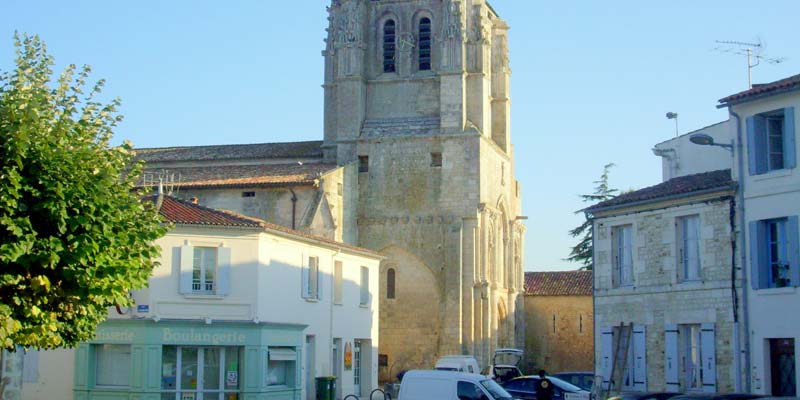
pixel 326 388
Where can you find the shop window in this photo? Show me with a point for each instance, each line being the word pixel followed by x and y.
pixel 281 366
pixel 189 372
pixel 112 365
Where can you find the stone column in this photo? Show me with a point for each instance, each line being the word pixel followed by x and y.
pixel 469 236
pixel 451 335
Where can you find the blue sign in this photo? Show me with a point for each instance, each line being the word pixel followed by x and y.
pixel 143 308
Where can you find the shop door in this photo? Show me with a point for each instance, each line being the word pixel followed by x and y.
pixel 783 367
pixel 200 373
pixel 357 367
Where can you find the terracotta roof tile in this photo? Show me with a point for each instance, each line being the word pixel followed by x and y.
pixel 182 212
pixel 566 283
pixel 246 175
pixel 310 149
pixel 683 185
pixel 792 82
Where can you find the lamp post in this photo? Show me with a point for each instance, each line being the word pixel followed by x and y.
pixel 703 139
pixel 674 115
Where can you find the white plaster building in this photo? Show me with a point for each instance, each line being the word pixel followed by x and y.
pixel 237 308
pixel 681 157
pixel 764 121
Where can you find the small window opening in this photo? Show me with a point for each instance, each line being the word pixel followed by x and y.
pixel 389 46
pixel 363 163
pixel 248 194
pixel 425 44
pixel 339 189
pixel 436 159
pixel 390 283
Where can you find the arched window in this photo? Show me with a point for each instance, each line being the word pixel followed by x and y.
pixel 389 46
pixel 390 284
pixel 425 44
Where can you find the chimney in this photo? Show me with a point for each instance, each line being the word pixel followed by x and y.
pixel 194 200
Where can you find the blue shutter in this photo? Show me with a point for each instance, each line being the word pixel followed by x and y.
pixel 708 355
pixel 223 271
pixel 187 264
pixel 671 378
pixel 789 146
pixel 305 271
pixel 758 273
pixel 793 248
pixel 751 146
pixel 757 145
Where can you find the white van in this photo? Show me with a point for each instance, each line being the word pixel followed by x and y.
pixel 466 364
pixel 449 385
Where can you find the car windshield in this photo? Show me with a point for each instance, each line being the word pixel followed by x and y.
pixel 446 369
pixel 564 385
pixel 495 390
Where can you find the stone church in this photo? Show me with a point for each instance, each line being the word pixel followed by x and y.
pixel 416 163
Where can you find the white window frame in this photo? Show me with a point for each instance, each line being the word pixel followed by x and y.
pixel 622 263
pixel 688 240
pixel 691 359
pixel 775 122
pixel 201 259
pixel 201 390
pixel 777 256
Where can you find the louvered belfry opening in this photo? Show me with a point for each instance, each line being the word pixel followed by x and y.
pixel 389 46
pixel 425 44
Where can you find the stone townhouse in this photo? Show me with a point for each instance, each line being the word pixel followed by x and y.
pixel 764 122
pixel 559 321
pixel 663 268
pixel 416 163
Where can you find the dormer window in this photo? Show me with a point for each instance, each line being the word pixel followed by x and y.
pixel 389 46
pixel 425 44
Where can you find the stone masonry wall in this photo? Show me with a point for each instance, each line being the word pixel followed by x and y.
pixel 559 334
pixel 657 297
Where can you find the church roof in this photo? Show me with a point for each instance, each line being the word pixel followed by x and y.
pixel 183 212
pixel 259 175
pixel 562 283
pixel 309 149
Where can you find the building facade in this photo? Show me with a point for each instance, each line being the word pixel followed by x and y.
pixel 238 308
pixel 417 95
pixel 664 292
pixel 559 322
pixel 765 121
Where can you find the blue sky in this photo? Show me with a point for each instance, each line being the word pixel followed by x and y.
pixel 592 79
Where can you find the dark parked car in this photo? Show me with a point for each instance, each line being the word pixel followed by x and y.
pixel 524 388
pixel 717 396
pixel 645 396
pixel 583 380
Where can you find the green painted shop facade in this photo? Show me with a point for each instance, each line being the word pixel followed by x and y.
pixel 190 360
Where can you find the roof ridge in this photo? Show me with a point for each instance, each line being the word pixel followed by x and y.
pixel 226 145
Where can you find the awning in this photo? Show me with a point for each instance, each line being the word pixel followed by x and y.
pixel 282 355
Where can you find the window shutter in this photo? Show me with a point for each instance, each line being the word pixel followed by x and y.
pixel 757 145
pixel 364 285
pixel 304 275
pixel 187 263
pixel 317 294
pixel 793 248
pixel 640 358
pixel 224 271
pixel 606 354
pixel 681 250
pixel 671 355
pixel 615 257
pixel 708 353
pixel 789 146
pixel 758 276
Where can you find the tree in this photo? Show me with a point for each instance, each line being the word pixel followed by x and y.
pixel 583 252
pixel 75 235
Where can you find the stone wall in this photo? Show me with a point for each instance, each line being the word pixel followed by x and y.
pixel 658 298
pixel 559 334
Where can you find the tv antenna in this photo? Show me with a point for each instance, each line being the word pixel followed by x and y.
pixel 753 51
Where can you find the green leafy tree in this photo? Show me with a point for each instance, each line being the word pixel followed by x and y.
pixel 75 236
pixel 583 252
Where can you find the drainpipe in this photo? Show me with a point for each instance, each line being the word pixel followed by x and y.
pixel 294 208
pixel 743 262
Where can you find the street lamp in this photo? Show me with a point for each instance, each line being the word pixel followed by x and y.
pixel 703 139
pixel 674 115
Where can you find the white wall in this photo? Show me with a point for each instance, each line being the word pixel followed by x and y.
pixel 680 157
pixel 772 195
